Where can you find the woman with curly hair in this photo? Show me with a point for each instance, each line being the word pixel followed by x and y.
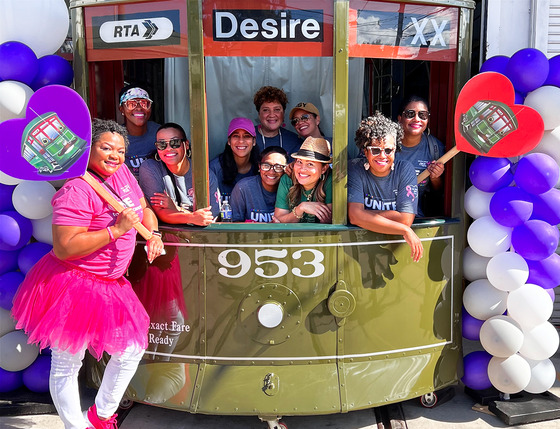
pixel 306 194
pixel 382 192
pixel 271 103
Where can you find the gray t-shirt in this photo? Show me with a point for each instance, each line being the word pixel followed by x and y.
pixel 225 189
pixel 397 191
pixel 420 156
pixel 154 177
pixel 140 148
pixel 251 202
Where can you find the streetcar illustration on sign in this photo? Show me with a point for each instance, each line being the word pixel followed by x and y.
pixel 486 123
pixel 49 145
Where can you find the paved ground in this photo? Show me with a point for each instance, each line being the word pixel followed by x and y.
pixel 458 412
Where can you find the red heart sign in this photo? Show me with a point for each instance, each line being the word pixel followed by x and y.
pixel 489 123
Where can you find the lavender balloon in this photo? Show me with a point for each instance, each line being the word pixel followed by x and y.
pixel 490 174
pixel 497 64
pixel 6 197
pixel 527 69
pixel 546 206
pixel 545 272
pixel 53 70
pixel 475 365
pixel 536 173
pixel 511 206
pixel 15 230
pixel 17 62
pixel 553 77
pixel 535 239
pixel 9 284
pixel 470 326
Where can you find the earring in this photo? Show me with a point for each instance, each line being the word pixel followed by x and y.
pixel 392 166
pixel 188 152
pixel 428 130
pixel 366 166
pixel 156 157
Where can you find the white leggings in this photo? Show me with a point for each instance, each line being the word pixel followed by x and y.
pixel 63 384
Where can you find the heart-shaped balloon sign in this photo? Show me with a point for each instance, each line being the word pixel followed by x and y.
pixel 489 123
pixel 54 139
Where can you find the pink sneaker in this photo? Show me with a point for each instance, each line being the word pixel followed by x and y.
pixel 97 423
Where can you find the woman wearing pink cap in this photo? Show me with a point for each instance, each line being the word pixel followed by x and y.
pixel 240 157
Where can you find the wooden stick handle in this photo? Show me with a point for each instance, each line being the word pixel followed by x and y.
pixel 112 201
pixel 444 158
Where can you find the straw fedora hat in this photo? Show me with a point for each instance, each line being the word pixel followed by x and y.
pixel 314 149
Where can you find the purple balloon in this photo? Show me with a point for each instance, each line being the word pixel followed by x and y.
pixel 36 375
pixel 30 254
pixel 9 284
pixel 497 64
pixel 536 173
pixel 8 260
pixel 475 365
pixel 545 272
pixel 535 239
pixel 527 69
pixel 552 294
pixel 490 174
pixel 511 206
pixel 53 70
pixel 17 62
pixel 15 230
pixel 546 206
pixel 519 98
pixel 553 77
pixel 471 326
pixel 6 192
pixel 10 380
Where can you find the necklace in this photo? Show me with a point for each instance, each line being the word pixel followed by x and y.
pixel 264 139
pixel 309 196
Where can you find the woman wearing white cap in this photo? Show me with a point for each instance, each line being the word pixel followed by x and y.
pixel 240 157
pixel 136 107
pixel 306 194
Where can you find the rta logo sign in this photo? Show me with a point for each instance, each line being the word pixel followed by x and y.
pixel 136 30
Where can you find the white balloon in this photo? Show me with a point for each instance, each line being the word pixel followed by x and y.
pixel 543 376
pixel 14 97
pixel 549 144
pixel 42 229
pixel 530 305
pixel 501 336
pixel 507 271
pixel 540 342
pixel 40 24
pixel 474 265
pixel 8 180
pixel 546 101
pixel 482 300
pixel 33 199
pixel 7 323
pixel 509 375
pixel 15 353
pixel 477 202
pixel 488 238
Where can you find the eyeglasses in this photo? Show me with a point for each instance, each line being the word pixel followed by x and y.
pixel 278 168
pixel 173 144
pixel 422 114
pixel 133 104
pixel 376 151
pixel 302 118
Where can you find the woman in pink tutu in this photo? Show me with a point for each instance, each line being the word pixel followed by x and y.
pixel 76 298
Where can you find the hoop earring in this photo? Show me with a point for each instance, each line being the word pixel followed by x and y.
pixel 156 157
pixel 428 130
pixel 188 152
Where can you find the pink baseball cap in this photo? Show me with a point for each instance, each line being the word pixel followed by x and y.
pixel 241 124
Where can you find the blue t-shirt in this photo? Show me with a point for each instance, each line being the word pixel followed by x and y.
pixel 140 148
pixel 154 177
pixel 397 191
pixel 225 189
pixel 285 138
pixel 420 156
pixel 251 202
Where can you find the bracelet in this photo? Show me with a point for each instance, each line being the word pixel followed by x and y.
pixel 295 214
pixel 111 236
pixel 156 233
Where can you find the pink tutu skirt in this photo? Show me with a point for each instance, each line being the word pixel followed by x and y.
pixel 60 305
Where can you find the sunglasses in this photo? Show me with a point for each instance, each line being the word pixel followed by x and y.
pixel 422 114
pixel 173 144
pixel 376 151
pixel 302 118
pixel 278 168
pixel 143 103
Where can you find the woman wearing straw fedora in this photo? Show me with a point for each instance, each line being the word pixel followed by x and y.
pixel 382 192
pixel 306 194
